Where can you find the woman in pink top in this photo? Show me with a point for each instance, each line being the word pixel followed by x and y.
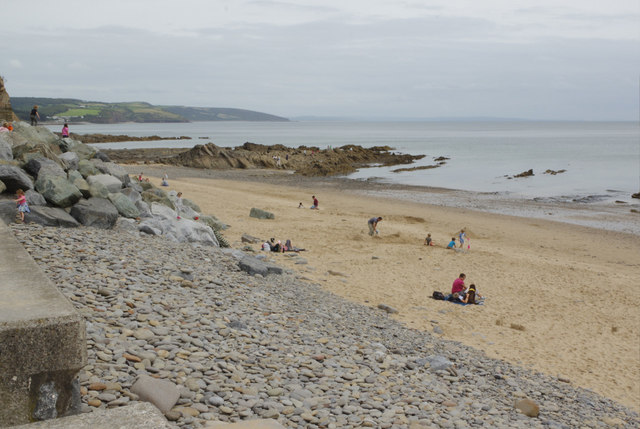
pixel 65 131
pixel 22 204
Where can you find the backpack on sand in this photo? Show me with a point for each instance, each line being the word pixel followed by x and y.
pixel 438 295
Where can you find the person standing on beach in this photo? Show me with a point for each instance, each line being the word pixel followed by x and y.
pixel 373 225
pixel 315 203
pixel 461 237
pixel 178 204
pixel 34 116
pixel 21 201
pixel 65 131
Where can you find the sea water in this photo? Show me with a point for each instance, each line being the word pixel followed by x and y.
pixel 601 159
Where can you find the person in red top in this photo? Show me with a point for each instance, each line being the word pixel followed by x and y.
pixel 315 203
pixel 458 284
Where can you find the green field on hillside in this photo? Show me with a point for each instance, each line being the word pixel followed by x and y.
pixel 73 110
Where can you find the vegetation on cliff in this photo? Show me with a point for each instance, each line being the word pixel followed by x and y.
pixel 73 110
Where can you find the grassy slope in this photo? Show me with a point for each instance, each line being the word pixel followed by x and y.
pixel 98 112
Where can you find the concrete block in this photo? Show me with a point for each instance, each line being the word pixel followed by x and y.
pixel 142 415
pixel 42 341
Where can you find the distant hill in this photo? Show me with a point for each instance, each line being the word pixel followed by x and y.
pixel 74 110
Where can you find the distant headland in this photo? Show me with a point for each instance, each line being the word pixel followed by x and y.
pixel 74 110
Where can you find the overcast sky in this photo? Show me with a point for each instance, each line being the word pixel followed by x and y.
pixel 536 59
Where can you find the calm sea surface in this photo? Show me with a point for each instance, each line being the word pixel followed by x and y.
pixel 601 159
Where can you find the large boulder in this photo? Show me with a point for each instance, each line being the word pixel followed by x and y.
pixel 58 190
pixel 6 154
pixel 181 230
pixel 96 212
pixel 31 150
pixel 254 266
pixel 112 169
pixel 124 205
pixel 102 156
pixel 98 190
pixel 70 160
pixel 132 194
pixel 34 198
pixel 143 208
pixel 151 197
pixel 86 168
pixel 214 222
pixel 82 150
pixel 8 211
pixel 113 184
pixel 261 214
pixel 50 216
pixel 15 178
pixel 3 187
pixel 78 181
pixel 37 165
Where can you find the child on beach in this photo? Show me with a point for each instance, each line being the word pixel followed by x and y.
pixel 178 204
pixel 21 201
pixel 428 241
pixel 462 236
pixel 452 243
pixel 315 203
pixel 472 296
pixel 65 131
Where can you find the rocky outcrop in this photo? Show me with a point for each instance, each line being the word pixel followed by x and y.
pixel 307 161
pixel 67 174
pixel 6 113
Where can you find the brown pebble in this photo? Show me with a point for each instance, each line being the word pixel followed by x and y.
pixel 94 402
pixel 97 386
pixel 449 403
pixel 131 358
pixel 527 407
pixel 173 415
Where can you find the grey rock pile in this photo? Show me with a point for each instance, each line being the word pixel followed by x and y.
pixel 180 325
pixel 68 183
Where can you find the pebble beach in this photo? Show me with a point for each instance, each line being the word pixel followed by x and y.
pixel 286 347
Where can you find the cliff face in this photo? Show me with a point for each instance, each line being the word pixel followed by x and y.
pixel 6 113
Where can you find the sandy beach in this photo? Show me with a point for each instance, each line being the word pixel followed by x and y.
pixel 561 298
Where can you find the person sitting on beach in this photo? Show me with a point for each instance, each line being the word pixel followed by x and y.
pixel 315 203
pixel 266 246
pixel 458 284
pixel 373 225
pixel 288 247
pixel 471 296
pixel 452 243
pixel 300 206
pixel 276 246
pixel 140 177
pixel 4 128
pixel 428 241
pixel 164 182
